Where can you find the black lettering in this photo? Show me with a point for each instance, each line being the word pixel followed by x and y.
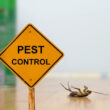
pixel 41 48
pixel 36 61
pixel 42 61
pixel 26 61
pixel 34 49
pixel 14 63
pixel 20 48
pixel 20 61
pixel 31 61
pixel 26 49
pixel 47 62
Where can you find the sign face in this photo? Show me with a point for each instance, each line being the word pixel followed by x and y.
pixel 30 55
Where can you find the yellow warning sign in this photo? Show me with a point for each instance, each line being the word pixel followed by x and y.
pixel 30 55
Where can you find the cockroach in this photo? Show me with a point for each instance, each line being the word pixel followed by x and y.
pixel 79 93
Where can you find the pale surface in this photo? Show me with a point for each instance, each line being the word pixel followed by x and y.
pixel 51 96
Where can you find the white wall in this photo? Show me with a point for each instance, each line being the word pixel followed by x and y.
pixel 81 28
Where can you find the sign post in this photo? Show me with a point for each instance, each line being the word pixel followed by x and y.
pixel 30 56
pixel 31 98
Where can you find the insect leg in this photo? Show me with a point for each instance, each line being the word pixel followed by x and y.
pixel 69 87
pixel 85 89
pixel 78 90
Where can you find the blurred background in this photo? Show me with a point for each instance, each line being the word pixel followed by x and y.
pixel 79 28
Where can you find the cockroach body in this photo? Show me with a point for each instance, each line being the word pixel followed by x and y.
pixel 79 93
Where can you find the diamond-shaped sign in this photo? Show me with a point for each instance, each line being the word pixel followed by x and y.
pixel 30 55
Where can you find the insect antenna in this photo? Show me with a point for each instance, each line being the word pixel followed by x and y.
pixel 100 93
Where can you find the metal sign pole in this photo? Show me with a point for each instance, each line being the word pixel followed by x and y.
pixel 31 99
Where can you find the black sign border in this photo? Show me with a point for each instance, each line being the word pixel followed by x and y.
pixel 15 40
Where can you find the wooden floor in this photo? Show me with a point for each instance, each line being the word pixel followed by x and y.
pixel 51 96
